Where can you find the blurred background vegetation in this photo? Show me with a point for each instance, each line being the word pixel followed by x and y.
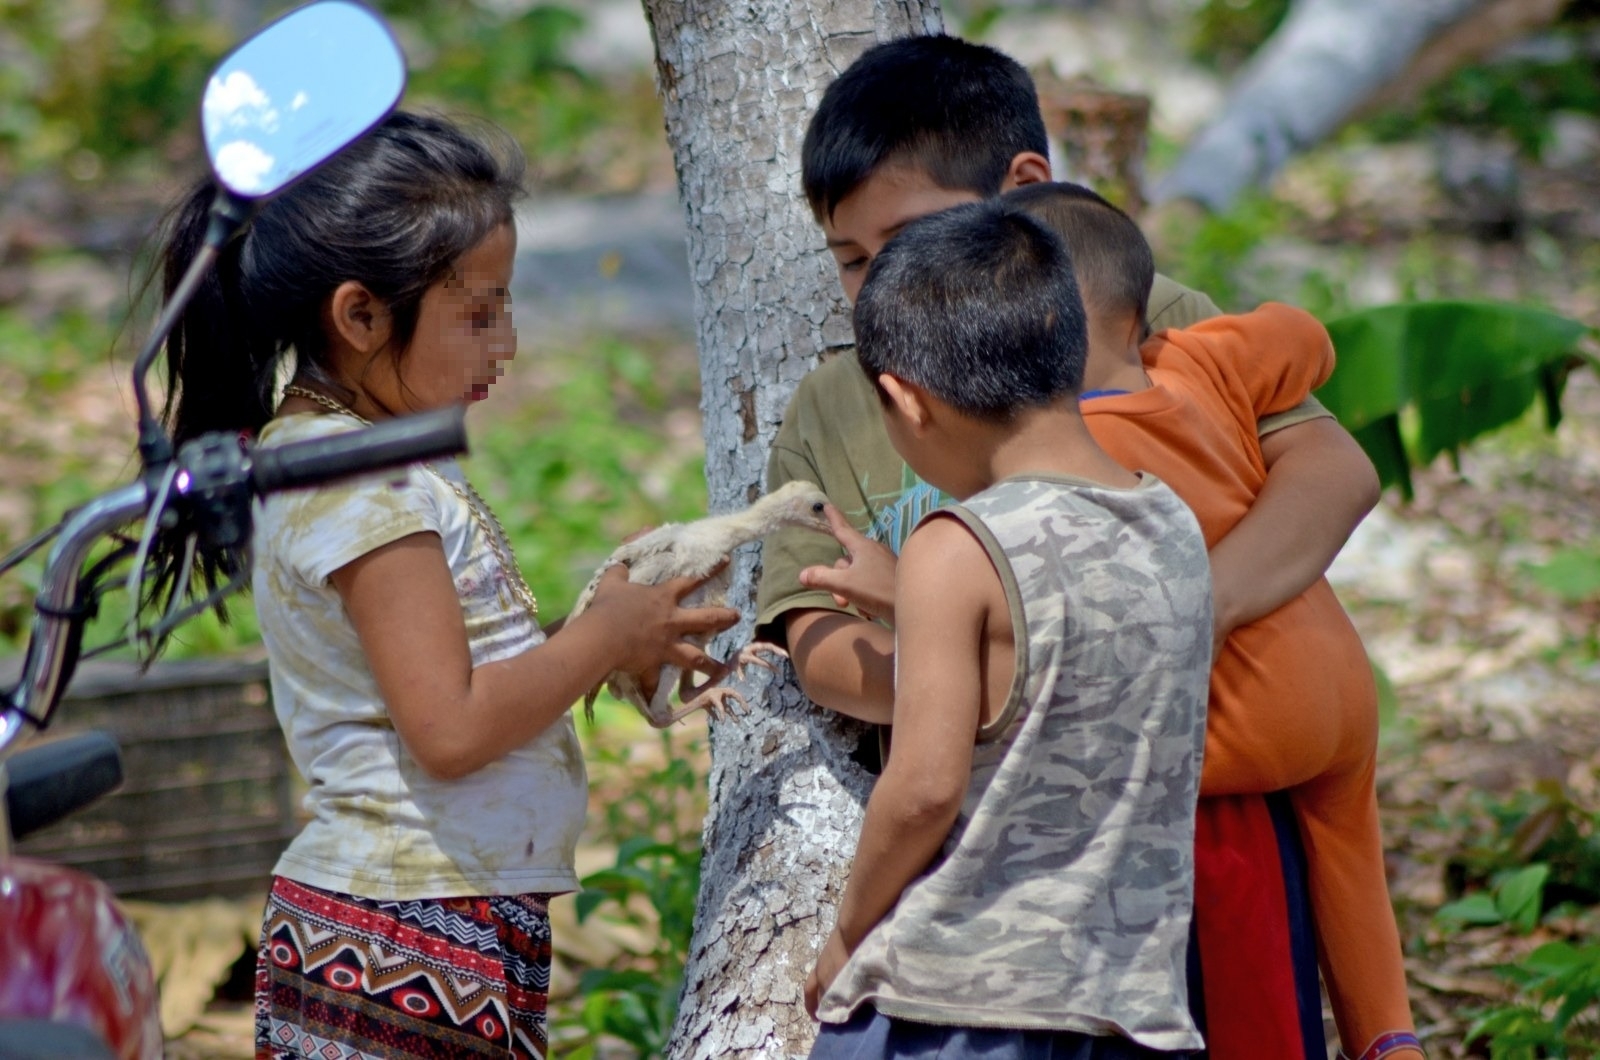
pixel 595 434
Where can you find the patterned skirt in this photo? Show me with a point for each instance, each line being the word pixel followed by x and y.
pixel 340 977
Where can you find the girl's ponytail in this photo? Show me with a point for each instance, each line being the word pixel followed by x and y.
pixel 213 366
pixel 220 365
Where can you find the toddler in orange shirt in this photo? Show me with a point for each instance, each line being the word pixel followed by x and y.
pixel 1293 703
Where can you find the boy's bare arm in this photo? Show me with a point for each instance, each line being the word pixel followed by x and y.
pixel 944 593
pixel 844 662
pixel 1320 485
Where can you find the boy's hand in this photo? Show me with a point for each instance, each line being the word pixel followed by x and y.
pixel 829 963
pixel 864 579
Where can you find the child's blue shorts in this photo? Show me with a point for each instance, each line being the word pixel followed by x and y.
pixel 870 1035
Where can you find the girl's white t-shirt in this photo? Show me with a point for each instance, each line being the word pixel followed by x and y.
pixel 380 827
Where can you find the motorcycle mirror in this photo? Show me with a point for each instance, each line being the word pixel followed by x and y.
pixel 293 95
pixel 282 103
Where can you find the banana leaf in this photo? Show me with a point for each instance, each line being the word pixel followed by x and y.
pixel 1456 370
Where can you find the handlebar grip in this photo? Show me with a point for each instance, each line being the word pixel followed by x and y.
pixel 54 779
pixel 392 443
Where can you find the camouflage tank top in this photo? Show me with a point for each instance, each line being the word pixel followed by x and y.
pixel 1061 899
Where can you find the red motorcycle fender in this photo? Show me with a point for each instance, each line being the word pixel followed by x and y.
pixel 68 954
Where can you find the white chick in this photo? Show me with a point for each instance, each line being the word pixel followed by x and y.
pixel 677 550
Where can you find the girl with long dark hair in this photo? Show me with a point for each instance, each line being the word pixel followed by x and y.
pixel 421 700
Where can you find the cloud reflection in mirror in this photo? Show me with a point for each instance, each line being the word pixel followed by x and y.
pixel 296 93
pixel 234 107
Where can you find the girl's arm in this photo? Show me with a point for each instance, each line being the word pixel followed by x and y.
pixel 455 719
pixel 945 598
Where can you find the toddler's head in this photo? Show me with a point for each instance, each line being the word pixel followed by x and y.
pixel 1110 255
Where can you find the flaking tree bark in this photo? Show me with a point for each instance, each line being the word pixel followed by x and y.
pixel 739 81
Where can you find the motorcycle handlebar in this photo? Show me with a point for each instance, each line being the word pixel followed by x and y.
pixel 48 782
pixel 212 468
pixel 393 443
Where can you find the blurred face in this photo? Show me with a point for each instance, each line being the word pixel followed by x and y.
pixel 874 213
pixel 464 335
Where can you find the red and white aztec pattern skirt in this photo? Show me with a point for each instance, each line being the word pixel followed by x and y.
pixel 339 977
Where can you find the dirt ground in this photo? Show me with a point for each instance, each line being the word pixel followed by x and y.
pixel 1498 684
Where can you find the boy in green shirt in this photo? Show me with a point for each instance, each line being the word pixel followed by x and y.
pixel 913 127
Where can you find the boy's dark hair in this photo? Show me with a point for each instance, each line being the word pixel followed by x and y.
pixel 977 305
pixel 1110 254
pixel 956 110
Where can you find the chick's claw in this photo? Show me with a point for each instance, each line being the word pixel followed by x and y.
pixel 758 653
pixel 716 700
pixel 722 703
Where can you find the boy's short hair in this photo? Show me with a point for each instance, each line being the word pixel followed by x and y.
pixel 957 110
pixel 1112 258
pixel 978 305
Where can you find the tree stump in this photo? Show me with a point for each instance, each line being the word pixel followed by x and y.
pixel 1102 133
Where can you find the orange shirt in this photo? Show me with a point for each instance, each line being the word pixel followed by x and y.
pixel 1291 692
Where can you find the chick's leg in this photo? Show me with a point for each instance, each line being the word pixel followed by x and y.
pixel 719 701
pixel 758 653
pixel 715 699
pixel 707 695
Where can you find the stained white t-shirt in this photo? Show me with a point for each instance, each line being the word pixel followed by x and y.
pixel 380 826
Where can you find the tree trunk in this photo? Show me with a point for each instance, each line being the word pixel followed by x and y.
pixel 1326 58
pixel 739 82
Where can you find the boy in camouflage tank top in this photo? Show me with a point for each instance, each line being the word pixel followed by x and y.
pixel 1024 875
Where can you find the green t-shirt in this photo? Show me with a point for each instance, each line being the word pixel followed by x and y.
pixel 833 435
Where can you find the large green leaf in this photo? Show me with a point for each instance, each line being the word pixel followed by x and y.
pixel 1463 368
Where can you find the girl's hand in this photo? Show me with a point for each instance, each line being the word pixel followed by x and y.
pixel 829 963
pixel 649 625
pixel 864 579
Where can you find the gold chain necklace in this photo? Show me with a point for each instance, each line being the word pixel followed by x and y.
pixel 477 507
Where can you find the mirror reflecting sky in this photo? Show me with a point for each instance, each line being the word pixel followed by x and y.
pixel 296 93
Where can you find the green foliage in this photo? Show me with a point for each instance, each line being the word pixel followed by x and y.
pixel 1572 574
pixel 1559 989
pixel 1209 257
pixel 1518 97
pixel 1225 32
pixel 88 88
pixel 1543 827
pixel 981 20
pixel 652 887
pixel 508 63
pixel 1515 900
pixel 93 85
pixel 582 465
pixel 1458 369
pixel 1539 855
